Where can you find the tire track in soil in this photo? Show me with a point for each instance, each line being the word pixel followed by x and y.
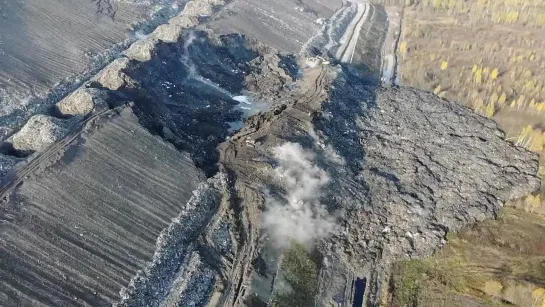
pixel 19 174
pixel 106 8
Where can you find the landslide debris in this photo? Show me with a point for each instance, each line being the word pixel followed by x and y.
pixel 427 166
pixel 405 167
pixel 400 167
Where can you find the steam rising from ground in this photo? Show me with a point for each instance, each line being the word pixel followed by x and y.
pixel 185 56
pixel 300 216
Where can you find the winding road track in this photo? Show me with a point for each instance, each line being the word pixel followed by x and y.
pixel 350 38
pixel 378 39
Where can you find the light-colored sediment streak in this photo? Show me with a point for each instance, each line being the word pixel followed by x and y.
pixel 389 57
pixel 388 69
pixel 350 38
pixel 354 39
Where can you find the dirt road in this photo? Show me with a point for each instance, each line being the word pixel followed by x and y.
pixel 350 39
pixel 368 39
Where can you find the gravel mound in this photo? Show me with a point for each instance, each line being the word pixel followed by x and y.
pixel 201 8
pixel 170 33
pixel 79 102
pixel 39 133
pixel 114 77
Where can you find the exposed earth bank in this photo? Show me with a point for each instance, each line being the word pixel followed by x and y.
pixel 182 172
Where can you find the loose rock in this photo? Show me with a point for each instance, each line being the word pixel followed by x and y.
pixel 39 133
pixel 79 102
pixel 142 50
pixel 114 77
pixel 168 33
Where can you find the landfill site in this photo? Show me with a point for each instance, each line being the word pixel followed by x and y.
pixel 205 142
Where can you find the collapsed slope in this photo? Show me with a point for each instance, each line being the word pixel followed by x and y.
pixel 394 168
pixel 161 104
pixel 403 168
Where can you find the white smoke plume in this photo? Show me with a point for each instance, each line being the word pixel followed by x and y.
pixel 300 217
pixel 185 56
pixel 139 35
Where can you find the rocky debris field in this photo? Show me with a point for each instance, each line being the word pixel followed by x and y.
pixel 182 172
pixel 403 168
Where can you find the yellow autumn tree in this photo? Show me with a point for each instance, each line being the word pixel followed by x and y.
pixel 512 17
pixel 494 74
pixel 437 90
pixel 502 99
pixel 478 105
pixel 537 141
pixel 524 136
pixel 403 48
pixel 532 202
pixel 539 295
pixel 520 103
pixel 490 110
pixel 494 98
pixel 486 73
pixel 444 65
pixel 478 77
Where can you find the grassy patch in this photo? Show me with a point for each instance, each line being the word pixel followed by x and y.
pixel 408 281
pixel 300 269
pixel 491 263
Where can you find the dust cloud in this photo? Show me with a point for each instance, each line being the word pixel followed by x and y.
pixel 299 216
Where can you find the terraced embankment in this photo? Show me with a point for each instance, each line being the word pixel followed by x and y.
pixel 49 48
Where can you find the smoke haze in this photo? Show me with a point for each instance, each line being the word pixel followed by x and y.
pixel 300 216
